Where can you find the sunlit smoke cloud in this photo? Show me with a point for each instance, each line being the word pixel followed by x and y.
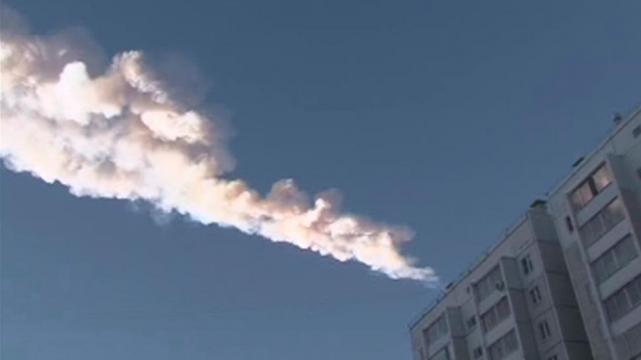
pixel 120 131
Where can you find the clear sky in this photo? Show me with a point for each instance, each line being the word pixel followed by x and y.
pixel 448 117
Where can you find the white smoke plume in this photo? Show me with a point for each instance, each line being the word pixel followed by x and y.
pixel 120 131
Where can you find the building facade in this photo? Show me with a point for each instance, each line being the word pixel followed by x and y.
pixel 516 303
pixel 565 282
pixel 597 211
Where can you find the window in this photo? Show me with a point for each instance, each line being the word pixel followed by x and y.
pixel 568 223
pixel 526 264
pixel 535 295
pixel 624 300
pixel 632 337
pixel 591 187
pixel 553 357
pixel 477 352
pixel 602 222
pixel 471 322
pixel 436 330
pixel 444 354
pixel 636 132
pixel 495 315
pixel 503 347
pixel 544 330
pixel 601 178
pixel 614 259
pixel 488 284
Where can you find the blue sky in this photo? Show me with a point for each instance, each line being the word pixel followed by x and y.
pixel 448 117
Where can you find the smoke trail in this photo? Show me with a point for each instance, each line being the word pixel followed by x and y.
pixel 121 131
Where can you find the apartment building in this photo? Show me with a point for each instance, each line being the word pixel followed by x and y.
pixel 516 303
pixel 597 212
pixel 565 282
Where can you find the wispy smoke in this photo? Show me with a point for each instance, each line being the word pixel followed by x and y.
pixel 123 131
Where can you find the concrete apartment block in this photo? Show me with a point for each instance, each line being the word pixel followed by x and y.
pixel 597 211
pixel 516 303
pixel 565 282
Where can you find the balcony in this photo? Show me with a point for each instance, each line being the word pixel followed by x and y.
pixel 597 203
pixel 608 240
pixel 620 278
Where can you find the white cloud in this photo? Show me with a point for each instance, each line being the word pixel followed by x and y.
pixel 122 134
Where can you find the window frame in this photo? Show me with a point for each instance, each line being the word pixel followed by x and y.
pixel 471 322
pixel 444 351
pixel 499 347
pixel 619 264
pixel 493 317
pixel 439 324
pixel 544 330
pixel 477 352
pixel 623 295
pixel 526 265
pixel 485 286
pixel 535 295
pixel 569 224
pixel 600 215
pixel 591 187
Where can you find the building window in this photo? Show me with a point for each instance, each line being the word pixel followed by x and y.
pixel 624 300
pixel 611 215
pixel 590 187
pixel 471 322
pixel 488 284
pixel 477 352
pixel 614 259
pixel 495 315
pixel 544 330
pixel 632 337
pixel 503 347
pixel 526 264
pixel 636 131
pixel 568 223
pixel 535 295
pixel 443 354
pixel 436 330
pixel 553 357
